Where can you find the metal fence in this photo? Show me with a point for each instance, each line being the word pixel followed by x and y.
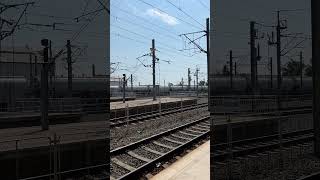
pixel 258 104
pixel 51 145
pixel 264 119
pixel 57 105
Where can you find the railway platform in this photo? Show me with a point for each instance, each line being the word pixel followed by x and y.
pixel 146 102
pixel 75 145
pixel 147 106
pixel 194 165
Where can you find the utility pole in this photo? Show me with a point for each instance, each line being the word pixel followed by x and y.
pixel 207 50
pixel 278 51
pixel 301 69
pixel 258 57
pixel 231 69
pixel 197 78
pixel 253 55
pixel 271 76
pixel 30 69
pixel 44 87
pixel 69 61
pixel 124 88
pixel 279 27
pixel 189 79
pixel 93 70
pixel 164 87
pixel 208 55
pixel 36 66
pixel 153 52
pixel 182 83
pixel 131 83
pixel 51 68
pixel 315 14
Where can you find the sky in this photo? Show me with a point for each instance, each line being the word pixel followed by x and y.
pixel 88 35
pixel 134 23
pixel 232 28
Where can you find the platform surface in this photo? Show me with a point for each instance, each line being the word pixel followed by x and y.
pixel 144 102
pixel 193 166
pixel 32 137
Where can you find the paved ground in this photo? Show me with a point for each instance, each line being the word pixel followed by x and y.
pixel 29 137
pixel 193 166
pixel 143 102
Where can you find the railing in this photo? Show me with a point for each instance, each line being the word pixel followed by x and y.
pixel 258 104
pixel 125 110
pixel 57 105
pixel 52 144
pixel 261 161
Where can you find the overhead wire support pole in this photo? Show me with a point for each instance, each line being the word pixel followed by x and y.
pixel 153 52
pixel 253 55
pixel 206 51
pixel 208 54
pixel 44 101
pixel 301 69
pixel 231 69
pixel 278 51
pixel 124 89
pixel 197 78
pixel 315 14
pixel 189 79
pixel 69 62
pixel 131 83
pixel 271 72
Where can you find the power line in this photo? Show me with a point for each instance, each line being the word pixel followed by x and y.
pixel 143 36
pixel 184 13
pixel 204 5
pixel 139 25
pixel 168 14
pixel 145 20
pixel 145 42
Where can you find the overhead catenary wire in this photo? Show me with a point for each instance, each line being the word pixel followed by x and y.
pixel 144 27
pixel 197 27
pixel 145 20
pixel 185 13
pixel 203 4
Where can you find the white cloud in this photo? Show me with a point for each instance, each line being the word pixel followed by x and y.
pixel 166 18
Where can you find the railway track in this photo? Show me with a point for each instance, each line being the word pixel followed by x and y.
pixel 131 161
pixel 116 122
pixel 260 144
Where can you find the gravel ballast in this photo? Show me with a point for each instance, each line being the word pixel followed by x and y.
pixel 125 135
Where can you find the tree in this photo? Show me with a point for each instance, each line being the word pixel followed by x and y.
pixel 293 68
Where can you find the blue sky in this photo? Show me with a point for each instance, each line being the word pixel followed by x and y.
pixel 135 23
